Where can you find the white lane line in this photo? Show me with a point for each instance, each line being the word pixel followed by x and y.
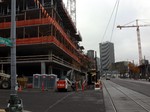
pixel 58 101
pixel 26 111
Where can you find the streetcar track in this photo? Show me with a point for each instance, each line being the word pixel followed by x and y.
pixel 111 100
pixel 126 96
pixel 133 99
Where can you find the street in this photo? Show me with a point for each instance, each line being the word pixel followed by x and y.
pixel 136 85
pixel 117 95
pixel 50 101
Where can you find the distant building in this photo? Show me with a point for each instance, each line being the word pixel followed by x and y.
pixel 90 54
pixel 106 55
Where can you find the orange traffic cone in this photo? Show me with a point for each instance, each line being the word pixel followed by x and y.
pixel 101 86
pixel 82 87
pixel 42 86
pixel 76 86
pixel 20 88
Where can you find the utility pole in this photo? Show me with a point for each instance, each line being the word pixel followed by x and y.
pixel 96 65
pixel 14 104
pixel 13 47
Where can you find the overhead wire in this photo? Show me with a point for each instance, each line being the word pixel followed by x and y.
pixel 114 20
pixel 109 20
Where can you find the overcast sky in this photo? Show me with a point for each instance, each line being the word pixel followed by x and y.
pixel 93 17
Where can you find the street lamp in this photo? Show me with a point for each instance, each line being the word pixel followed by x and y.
pixel 14 104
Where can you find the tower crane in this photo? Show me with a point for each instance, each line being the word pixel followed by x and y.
pixel 71 6
pixel 138 37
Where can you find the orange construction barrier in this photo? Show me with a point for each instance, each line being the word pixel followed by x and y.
pixel 20 89
pixel 101 86
pixel 82 87
pixel 76 86
pixel 42 87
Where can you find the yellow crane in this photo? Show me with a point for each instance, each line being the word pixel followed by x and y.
pixel 138 37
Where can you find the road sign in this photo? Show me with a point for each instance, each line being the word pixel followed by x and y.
pixel 5 41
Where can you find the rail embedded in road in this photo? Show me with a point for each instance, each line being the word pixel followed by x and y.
pixel 123 99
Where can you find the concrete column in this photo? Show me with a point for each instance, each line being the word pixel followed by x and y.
pixel 50 53
pixel 50 70
pixel 43 68
pixel 61 72
pixel 38 32
pixel 26 5
pixel 40 14
pixel 24 32
pixel 43 2
pixel 52 3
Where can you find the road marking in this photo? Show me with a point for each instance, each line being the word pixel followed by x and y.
pixel 58 101
pixel 26 111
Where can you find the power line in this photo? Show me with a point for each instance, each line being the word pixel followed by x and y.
pixel 116 5
pixel 114 21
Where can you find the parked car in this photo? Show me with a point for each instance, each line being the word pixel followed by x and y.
pixel 107 77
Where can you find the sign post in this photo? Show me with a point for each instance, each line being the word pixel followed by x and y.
pixel 14 104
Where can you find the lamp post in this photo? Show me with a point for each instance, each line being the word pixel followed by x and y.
pixel 14 104
pixel 96 65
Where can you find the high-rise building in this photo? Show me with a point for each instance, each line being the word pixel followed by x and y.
pixel 106 55
pixel 90 54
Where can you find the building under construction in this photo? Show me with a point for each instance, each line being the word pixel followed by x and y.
pixel 47 41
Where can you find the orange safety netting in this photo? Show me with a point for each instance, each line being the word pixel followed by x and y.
pixel 46 39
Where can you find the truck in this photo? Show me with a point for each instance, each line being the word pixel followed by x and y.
pixel 4 80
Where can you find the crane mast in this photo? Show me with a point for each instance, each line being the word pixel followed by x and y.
pixel 139 43
pixel 71 6
pixel 138 38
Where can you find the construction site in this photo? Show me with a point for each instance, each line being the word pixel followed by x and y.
pixel 47 40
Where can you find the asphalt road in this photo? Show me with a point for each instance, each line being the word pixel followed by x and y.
pixel 50 101
pixel 142 87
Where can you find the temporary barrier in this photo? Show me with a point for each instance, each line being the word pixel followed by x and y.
pixel 51 81
pixel 36 80
pixel 84 85
pixel 78 85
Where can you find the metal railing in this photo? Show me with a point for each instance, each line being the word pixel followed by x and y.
pixel 38 58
